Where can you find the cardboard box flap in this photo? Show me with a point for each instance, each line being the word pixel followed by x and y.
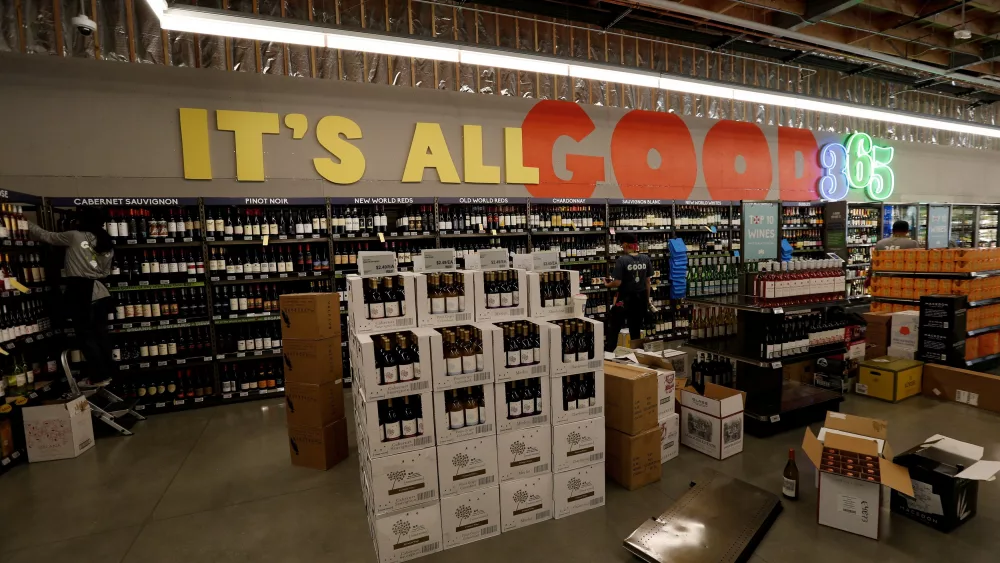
pixel 954 447
pixel 856 424
pixel 812 447
pixel 843 442
pixel 980 471
pixel 731 400
pixel 896 477
pixel 824 432
pixel 626 371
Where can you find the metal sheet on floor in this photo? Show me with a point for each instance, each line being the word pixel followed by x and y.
pixel 719 520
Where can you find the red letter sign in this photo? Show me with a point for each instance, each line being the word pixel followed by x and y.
pixel 641 131
pixel 791 142
pixel 725 144
pixel 547 121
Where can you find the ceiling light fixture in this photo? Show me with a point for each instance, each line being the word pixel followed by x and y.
pixel 213 22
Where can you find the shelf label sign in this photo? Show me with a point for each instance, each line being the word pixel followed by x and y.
pixel 761 230
pixel 545 260
pixel 493 259
pixel 376 263
pixel 857 164
pixel 436 259
pixel 938 221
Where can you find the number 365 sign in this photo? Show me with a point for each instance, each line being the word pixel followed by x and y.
pixel 858 164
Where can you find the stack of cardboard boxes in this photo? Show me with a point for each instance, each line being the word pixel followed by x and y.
pixel 634 447
pixel 314 385
pixel 877 334
pixel 671 374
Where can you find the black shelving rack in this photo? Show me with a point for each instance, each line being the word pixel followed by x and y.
pixel 799 218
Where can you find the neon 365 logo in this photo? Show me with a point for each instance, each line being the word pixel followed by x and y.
pixel 859 165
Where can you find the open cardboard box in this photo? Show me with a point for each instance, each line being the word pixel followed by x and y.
pixel 712 423
pixel 852 457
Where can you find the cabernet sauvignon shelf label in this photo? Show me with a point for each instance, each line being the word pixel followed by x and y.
pixel 124 201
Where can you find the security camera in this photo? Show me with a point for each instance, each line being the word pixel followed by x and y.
pixel 84 25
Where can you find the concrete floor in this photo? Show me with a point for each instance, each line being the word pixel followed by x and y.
pixel 215 485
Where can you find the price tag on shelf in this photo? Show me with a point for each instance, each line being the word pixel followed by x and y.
pixel 19 286
pixel 775 418
pixel 775 365
pixel 611 231
pixel 381 237
pixel 438 259
pixel 265 240
pixel 199 399
pixel 376 263
pixel 777 310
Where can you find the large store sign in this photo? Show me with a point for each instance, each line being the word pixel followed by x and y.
pixel 649 155
pixel 857 164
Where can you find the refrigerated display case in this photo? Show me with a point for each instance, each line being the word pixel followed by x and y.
pixel 963 226
pixel 903 212
pixel 986 219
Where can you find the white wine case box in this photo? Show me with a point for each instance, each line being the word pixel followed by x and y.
pixel 464 307
pixel 401 481
pixel 372 432
pixel 560 414
pixel 467 466
pixel 524 453
pixel 443 420
pixel 484 313
pixel 539 309
pixel 440 365
pixel 508 420
pixel 524 502
pixel 578 490
pixel 577 444
pixel 367 371
pixel 670 437
pixel 358 312
pixel 504 373
pixel 558 359
pixel 407 535
pixel 470 516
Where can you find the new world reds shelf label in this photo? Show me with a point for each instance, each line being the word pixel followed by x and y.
pixel 123 201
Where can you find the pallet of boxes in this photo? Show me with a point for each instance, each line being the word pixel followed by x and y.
pixel 314 384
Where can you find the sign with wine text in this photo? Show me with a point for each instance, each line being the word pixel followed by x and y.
pixel 938 226
pixel 761 225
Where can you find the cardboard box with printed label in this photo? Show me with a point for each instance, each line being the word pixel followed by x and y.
pixel 402 536
pixel 472 367
pixel 401 481
pixel 550 306
pixel 511 414
pixel 470 516
pixel 851 455
pixel 312 361
pixel 900 352
pixel 492 307
pixel 944 315
pixel 589 404
pixel 578 444
pixel 941 348
pixel 314 405
pixel 377 381
pixel 458 418
pixel 666 393
pixel 578 490
pixel 945 474
pixel 889 379
pixel 905 329
pixel 445 308
pixel 980 390
pixel 58 430
pixel 634 461
pixel 511 365
pixel 524 502
pixel 563 363
pixel 370 419
pixel 673 360
pixel 318 447
pixel 670 437
pixel 468 465
pixel 524 452
pixel 365 317
pixel 309 316
pixel 632 397
pixel 712 423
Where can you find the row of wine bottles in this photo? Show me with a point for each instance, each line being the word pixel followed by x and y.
pixel 13 225
pixel 165 344
pixel 248 337
pixel 521 343
pixel 566 216
pixel 272 259
pixel 446 292
pixel 257 222
pixel 482 218
pixel 384 297
pixel 399 418
pixel 577 340
pixel 143 224
pixel 463 350
pixel 466 407
pixel 155 266
pixel 27 268
pixel 159 304
pixel 395 356
pixel 524 398
pixel 29 318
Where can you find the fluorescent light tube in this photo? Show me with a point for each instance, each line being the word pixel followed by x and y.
pixel 514 62
pixel 242 28
pixel 613 75
pixel 391 46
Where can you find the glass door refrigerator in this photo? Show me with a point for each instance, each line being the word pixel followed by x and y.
pixel 963 226
pixel 986 221
pixel 902 212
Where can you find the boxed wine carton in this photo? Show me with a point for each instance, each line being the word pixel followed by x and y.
pixel 316 447
pixel 470 516
pixel 493 307
pixel 371 419
pixel 591 406
pixel 511 412
pixel 378 381
pixel 945 474
pixel 464 370
pixel 905 329
pixel 669 437
pixel 524 502
pixel 563 363
pixel 314 405
pixel 504 360
pixel 456 419
pixel 446 308
pixel 851 455
pixel 58 430
pixel 525 452
pixel 313 361
pixel 578 444
pixel 633 397
pixel 309 316
pixel 401 481
pixel 468 465
pixel 578 490
pixel 550 306
pixel 371 317
pixel 712 423
pixel 402 536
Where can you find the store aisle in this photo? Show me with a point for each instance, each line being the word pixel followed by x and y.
pixel 216 485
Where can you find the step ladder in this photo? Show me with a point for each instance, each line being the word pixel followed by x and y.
pixel 112 410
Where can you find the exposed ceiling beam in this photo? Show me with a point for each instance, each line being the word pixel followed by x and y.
pixel 816 11
pixel 990 52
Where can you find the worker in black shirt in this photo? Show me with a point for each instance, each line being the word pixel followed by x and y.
pixel 631 278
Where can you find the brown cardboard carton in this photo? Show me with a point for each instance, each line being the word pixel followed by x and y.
pixel 980 390
pixel 876 351
pixel 309 316
pixel 631 398
pixel 314 405
pixel 802 372
pixel 312 361
pixel 634 461
pixel 318 447
pixel 877 332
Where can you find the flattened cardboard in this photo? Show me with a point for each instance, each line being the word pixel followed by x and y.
pixel 980 390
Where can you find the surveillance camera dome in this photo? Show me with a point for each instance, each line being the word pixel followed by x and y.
pixel 963 34
pixel 84 25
